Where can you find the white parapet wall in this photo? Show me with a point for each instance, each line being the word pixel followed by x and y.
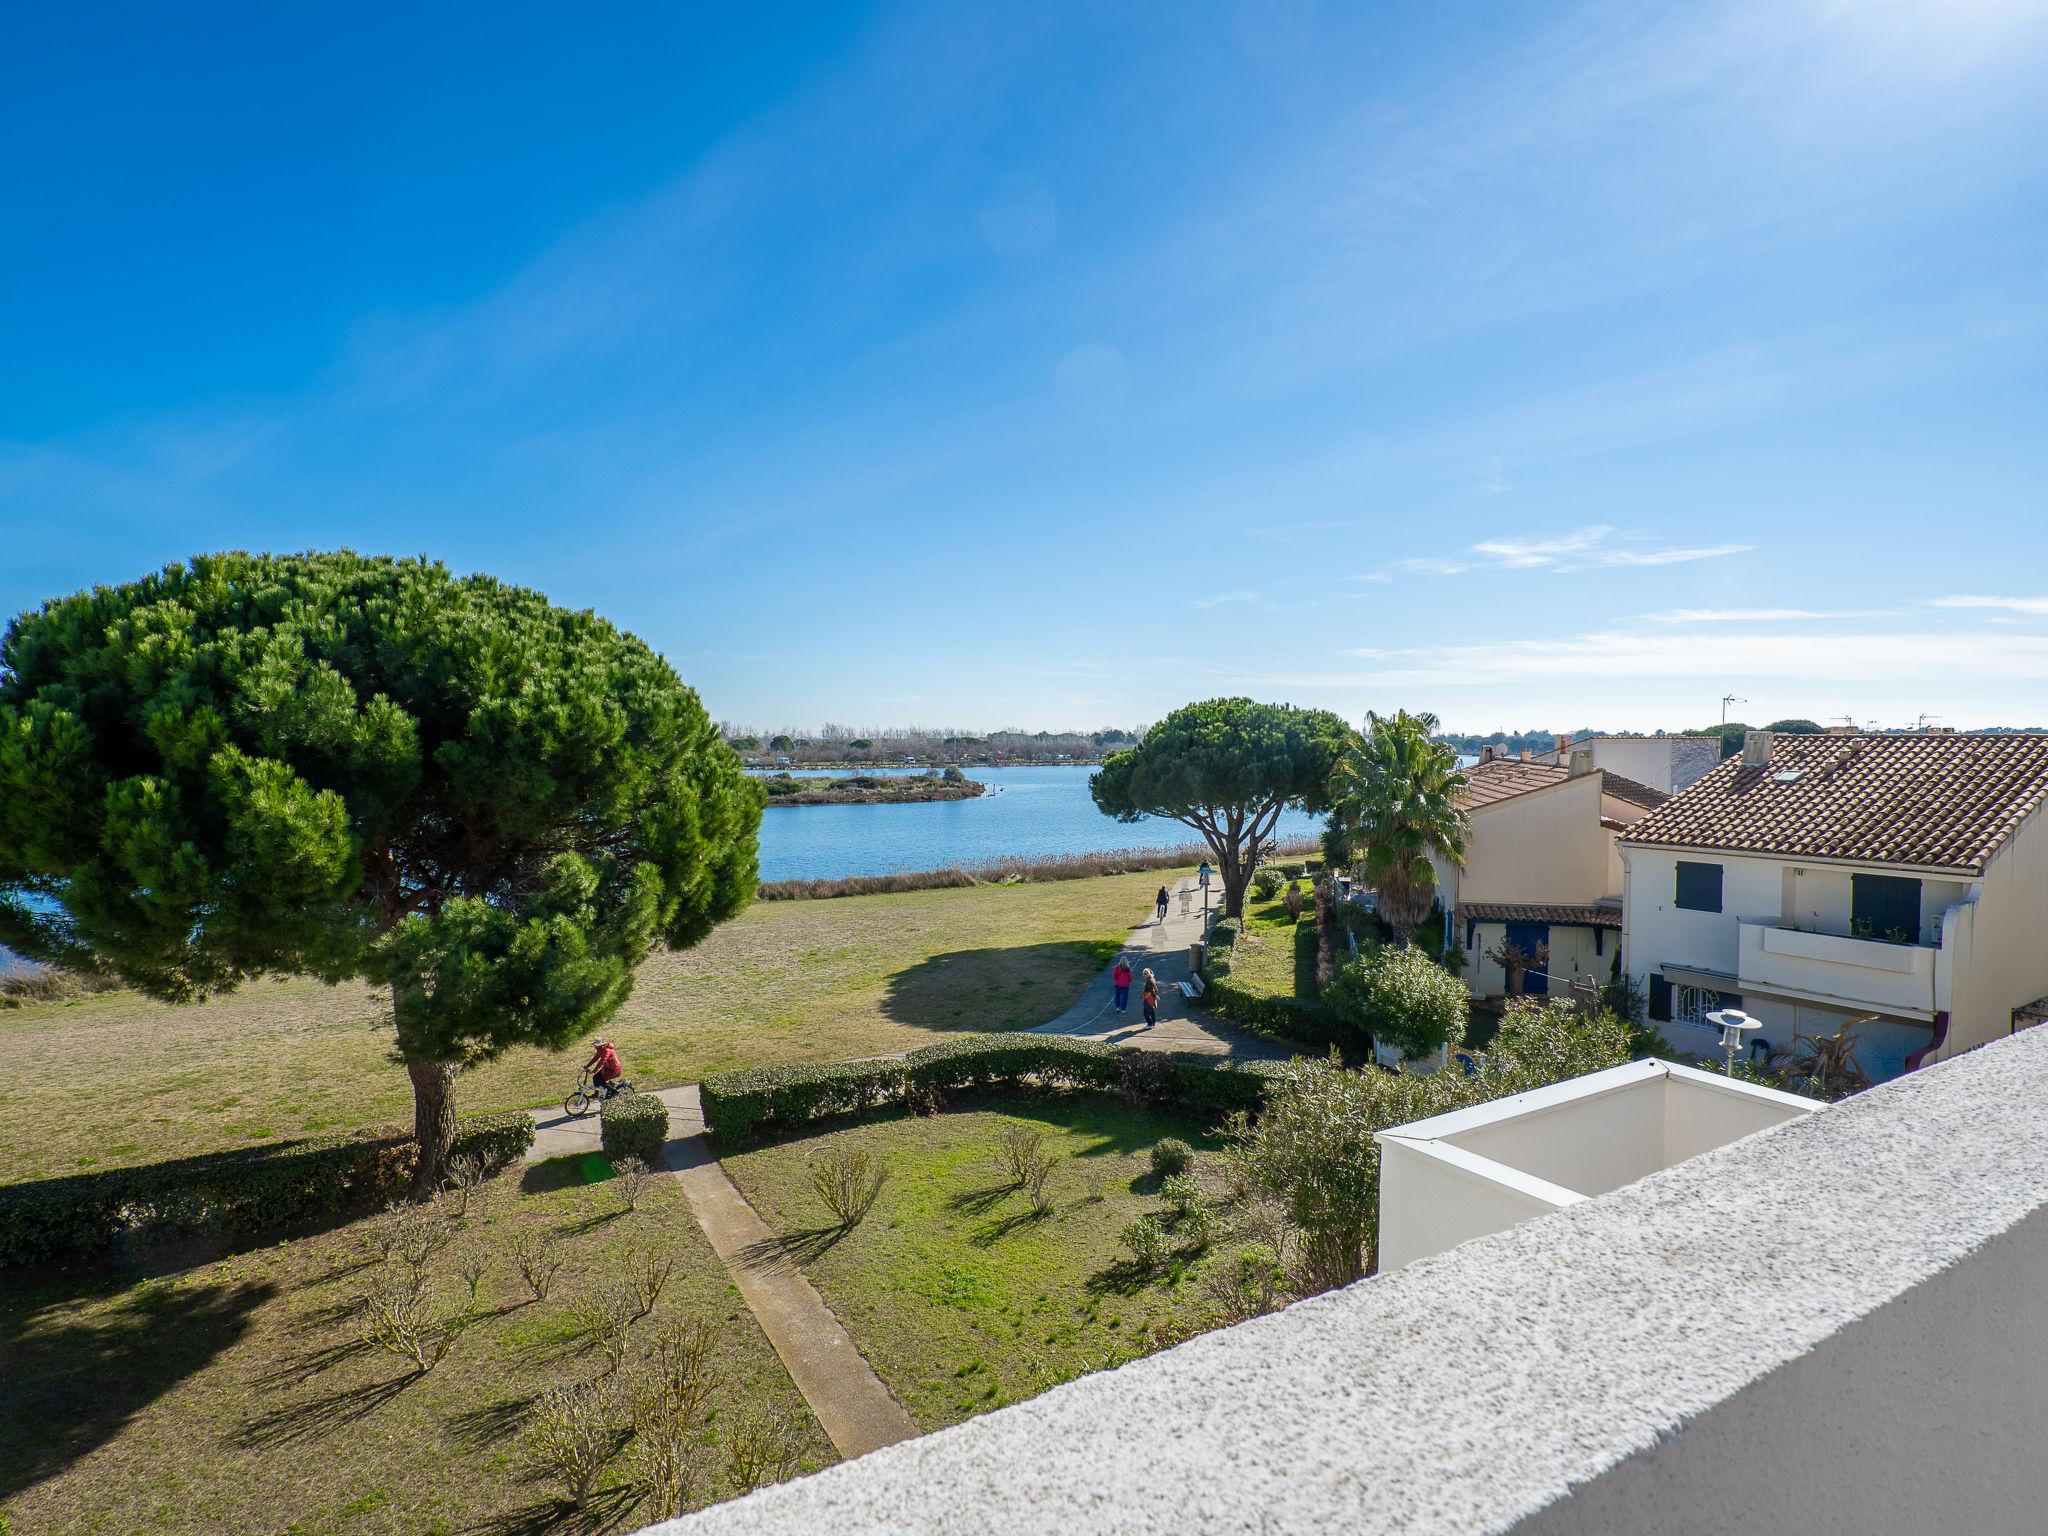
pixel 1832 1326
pixel 1462 1175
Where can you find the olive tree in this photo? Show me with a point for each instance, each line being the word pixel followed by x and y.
pixel 1226 768
pixel 356 767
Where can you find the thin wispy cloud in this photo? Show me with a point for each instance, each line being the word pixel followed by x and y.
pixel 1589 548
pixel 1802 656
pixel 1492 482
pixel 1754 615
pixel 2002 604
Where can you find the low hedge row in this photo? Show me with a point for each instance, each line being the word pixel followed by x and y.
pixel 749 1103
pixel 1297 1020
pixel 633 1125
pixel 248 1190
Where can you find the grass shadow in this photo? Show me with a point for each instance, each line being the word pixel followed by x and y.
pixel 479 1429
pixel 791 1249
pixel 995 989
pixel 604 1511
pixel 569 1171
pixel 319 1416
pixel 75 1374
pixel 303 1368
pixel 979 1202
pixel 989 1233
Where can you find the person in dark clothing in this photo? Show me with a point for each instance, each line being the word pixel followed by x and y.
pixel 1150 998
pixel 1162 903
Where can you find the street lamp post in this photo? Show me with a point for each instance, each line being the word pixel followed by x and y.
pixel 1204 872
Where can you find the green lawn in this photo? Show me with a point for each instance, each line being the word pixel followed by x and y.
pixel 1275 955
pixel 237 1395
pixel 786 982
pixel 959 1297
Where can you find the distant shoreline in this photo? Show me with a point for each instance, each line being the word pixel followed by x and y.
pixel 861 789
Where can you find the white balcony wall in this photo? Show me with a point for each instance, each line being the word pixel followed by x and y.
pixel 1836 971
pixel 1453 1177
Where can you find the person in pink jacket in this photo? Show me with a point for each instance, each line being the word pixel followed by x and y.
pixel 1121 979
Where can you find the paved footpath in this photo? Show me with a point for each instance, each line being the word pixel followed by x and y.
pixel 1182 1026
pixel 856 1410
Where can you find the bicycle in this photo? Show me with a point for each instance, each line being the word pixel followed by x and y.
pixel 587 1092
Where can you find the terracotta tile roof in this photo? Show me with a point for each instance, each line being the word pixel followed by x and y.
pixel 1628 789
pixel 1505 777
pixel 1603 916
pixel 1942 801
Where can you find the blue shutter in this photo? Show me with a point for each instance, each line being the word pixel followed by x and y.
pixel 1699 887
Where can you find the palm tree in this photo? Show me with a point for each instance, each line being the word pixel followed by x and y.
pixel 1396 804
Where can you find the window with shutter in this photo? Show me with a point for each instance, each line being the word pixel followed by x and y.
pixel 1885 907
pixel 1699 887
pixel 1660 999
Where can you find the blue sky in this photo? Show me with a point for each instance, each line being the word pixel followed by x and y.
pixel 1051 365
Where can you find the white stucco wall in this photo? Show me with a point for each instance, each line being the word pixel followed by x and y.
pixel 1546 845
pixel 1669 763
pixel 1431 1200
pixel 1996 952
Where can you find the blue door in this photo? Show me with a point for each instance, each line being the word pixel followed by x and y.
pixel 1526 937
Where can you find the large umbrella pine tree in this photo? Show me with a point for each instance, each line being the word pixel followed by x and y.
pixel 356 767
pixel 1226 768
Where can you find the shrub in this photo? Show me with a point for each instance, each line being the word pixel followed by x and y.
pixel 634 1125
pixel 1249 1282
pixel 1297 1020
pixel 983 1061
pixel 848 1180
pixel 1294 900
pixel 575 1433
pixel 605 1317
pixel 760 1447
pixel 250 1189
pixel 1403 999
pixel 1183 1196
pixel 1147 1243
pixel 397 1318
pixel 1266 883
pixel 673 1391
pixel 1171 1156
pixel 538 1264
pixel 743 1104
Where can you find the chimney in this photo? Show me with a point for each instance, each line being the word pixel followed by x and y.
pixel 1582 762
pixel 1528 756
pixel 1564 742
pixel 1756 749
pixel 1486 753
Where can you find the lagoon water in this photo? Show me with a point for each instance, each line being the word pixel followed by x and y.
pixel 1031 812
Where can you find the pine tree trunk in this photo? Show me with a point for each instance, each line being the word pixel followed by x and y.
pixel 433 1122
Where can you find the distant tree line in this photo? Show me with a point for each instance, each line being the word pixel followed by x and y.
pixel 838 744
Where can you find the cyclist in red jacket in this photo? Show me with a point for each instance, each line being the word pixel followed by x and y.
pixel 604 1068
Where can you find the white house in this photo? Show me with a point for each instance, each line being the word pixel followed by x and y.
pixel 1671 764
pixel 1898 883
pixel 1540 869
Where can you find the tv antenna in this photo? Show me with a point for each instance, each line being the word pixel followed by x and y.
pixel 1726 700
pixel 1921 723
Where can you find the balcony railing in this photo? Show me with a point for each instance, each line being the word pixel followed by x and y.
pixel 1834 968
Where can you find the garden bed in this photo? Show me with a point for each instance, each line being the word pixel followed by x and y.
pixel 961 1296
pixel 239 1395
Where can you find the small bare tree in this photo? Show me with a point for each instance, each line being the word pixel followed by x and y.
pixel 398 1318
pixel 538 1264
pixel 1517 962
pixel 604 1317
pixel 848 1180
pixel 575 1433
pixel 1019 1148
pixel 632 1177
pixel 651 1271
pixel 473 1268
pixel 673 1389
pixel 760 1447
pixel 464 1182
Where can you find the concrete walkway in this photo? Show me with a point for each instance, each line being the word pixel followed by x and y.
pixel 849 1399
pixel 856 1410
pixel 1183 1025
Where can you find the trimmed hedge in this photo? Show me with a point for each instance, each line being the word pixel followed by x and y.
pixel 633 1125
pixel 250 1189
pixel 748 1103
pixel 1297 1020
pixel 739 1104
